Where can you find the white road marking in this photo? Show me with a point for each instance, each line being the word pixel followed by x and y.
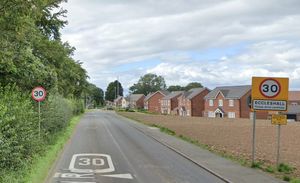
pixel 110 168
pixel 74 176
pixel 121 176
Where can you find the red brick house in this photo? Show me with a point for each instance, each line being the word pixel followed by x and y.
pixel 191 103
pixel 135 101
pixel 294 98
pixel 293 112
pixel 230 102
pixel 152 101
pixel 170 102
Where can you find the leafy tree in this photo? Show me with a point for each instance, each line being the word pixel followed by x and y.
pixel 175 88
pixel 96 94
pixel 148 83
pixel 193 85
pixel 111 91
pixel 31 52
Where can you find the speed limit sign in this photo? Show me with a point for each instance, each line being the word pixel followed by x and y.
pixel 270 88
pixel 270 94
pixel 39 93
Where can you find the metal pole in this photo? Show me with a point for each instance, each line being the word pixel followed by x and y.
pixel 278 145
pixel 39 119
pixel 253 137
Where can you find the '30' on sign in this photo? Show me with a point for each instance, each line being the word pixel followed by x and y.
pixel 38 93
pixel 270 88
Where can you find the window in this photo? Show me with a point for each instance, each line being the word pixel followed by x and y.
pixel 211 102
pixel 211 114
pixel 231 103
pixel 220 102
pixel 231 114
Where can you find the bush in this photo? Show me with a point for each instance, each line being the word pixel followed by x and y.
pixel 19 125
pixel 18 129
pixel 57 112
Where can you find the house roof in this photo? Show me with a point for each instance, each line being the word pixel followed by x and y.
pixel 172 95
pixel 135 97
pixel 163 92
pixel 193 92
pixel 229 92
pixel 294 95
pixel 293 109
pixel 118 98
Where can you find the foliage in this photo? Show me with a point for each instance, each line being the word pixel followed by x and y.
pixel 285 168
pixel 31 52
pixel 18 129
pixel 96 95
pixel 148 83
pixel 184 88
pixel 112 89
pixel 192 85
pixel 175 88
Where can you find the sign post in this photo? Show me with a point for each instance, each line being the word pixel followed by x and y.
pixel 278 119
pixel 39 94
pixel 253 137
pixel 269 94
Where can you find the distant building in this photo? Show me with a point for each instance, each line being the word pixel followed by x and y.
pixel 294 98
pixel 118 101
pixel 293 112
pixel 230 102
pixel 152 101
pixel 191 103
pixel 135 101
pixel 169 102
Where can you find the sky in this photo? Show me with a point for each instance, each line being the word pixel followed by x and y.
pixel 214 42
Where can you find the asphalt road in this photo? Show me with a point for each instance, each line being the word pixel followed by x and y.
pixel 107 149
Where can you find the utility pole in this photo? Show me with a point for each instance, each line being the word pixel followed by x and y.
pixel 117 86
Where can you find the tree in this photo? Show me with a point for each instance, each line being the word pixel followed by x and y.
pixel 111 91
pixel 148 83
pixel 96 94
pixel 175 88
pixel 31 51
pixel 193 85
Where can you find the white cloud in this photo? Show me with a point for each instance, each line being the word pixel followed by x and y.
pixel 274 59
pixel 111 33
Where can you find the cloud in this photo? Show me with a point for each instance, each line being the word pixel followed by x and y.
pixel 112 33
pixel 271 58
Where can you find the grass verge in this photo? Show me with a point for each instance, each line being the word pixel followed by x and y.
pixel 284 171
pixel 39 169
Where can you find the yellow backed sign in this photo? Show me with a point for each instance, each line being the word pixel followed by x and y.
pixel 279 119
pixel 269 93
pixel 264 88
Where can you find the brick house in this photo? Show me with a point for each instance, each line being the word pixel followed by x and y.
pixel 135 101
pixel 118 101
pixel 170 102
pixel 293 112
pixel 231 102
pixel 294 98
pixel 191 103
pixel 152 101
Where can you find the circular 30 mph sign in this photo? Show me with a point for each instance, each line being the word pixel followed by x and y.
pixel 270 88
pixel 39 93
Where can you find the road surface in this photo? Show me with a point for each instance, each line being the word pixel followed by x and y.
pixel 106 149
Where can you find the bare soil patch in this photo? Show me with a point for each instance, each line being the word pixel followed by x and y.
pixel 234 136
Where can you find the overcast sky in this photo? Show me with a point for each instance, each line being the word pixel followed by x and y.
pixel 215 42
